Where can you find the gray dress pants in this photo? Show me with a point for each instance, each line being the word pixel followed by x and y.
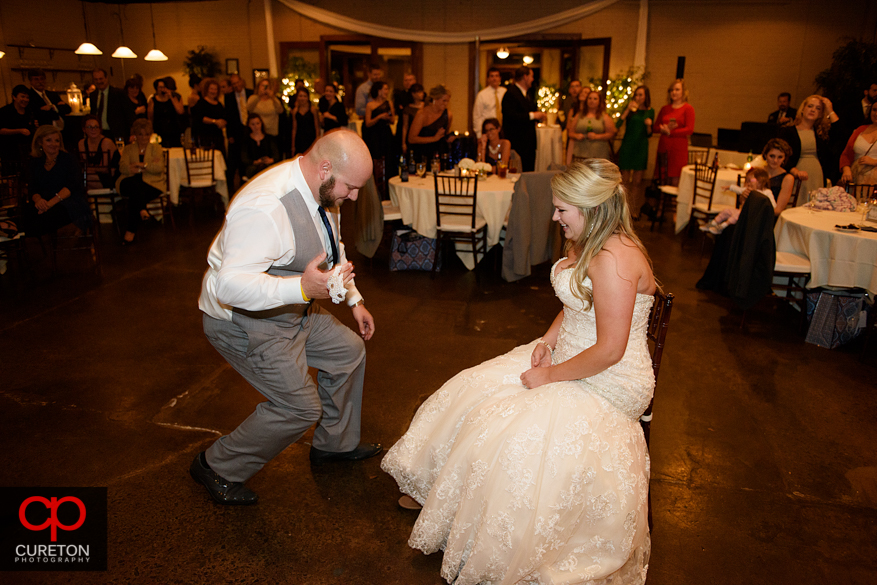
pixel 275 361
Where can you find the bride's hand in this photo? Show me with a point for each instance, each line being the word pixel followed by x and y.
pixel 541 357
pixel 535 377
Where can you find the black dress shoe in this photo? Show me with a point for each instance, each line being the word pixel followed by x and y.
pixel 364 451
pixel 220 489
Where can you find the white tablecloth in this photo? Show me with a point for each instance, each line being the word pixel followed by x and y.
pixel 176 173
pixel 416 201
pixel 685 199
pixel 549 146
pixel 837 258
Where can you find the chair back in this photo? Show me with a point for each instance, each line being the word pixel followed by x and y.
pixel 862 191
pixel 793 199
pixel 456 199
pixel 100 169
pixel 12 199
pixel 659 324
pixel 199 167
pixel 704 185
pixel 662 173
pixel 515 161
pixel 698 155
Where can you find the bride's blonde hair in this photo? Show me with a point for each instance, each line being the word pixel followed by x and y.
pixel 594 187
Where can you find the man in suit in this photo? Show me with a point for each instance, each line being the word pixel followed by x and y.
pixel 237 131
pixel 109 106
pixel 519 118
pixel 46 106
pixel 273 256
pixel 784 112
pixel 401 100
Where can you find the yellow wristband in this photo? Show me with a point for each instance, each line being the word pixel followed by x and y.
pixel 303 295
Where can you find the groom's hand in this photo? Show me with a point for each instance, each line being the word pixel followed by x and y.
pixel 313 280
pixel 365 321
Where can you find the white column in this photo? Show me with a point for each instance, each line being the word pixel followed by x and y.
pixel 639 56
pixel 269 26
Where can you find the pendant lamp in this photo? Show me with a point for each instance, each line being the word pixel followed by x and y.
pixel 502 53
pixel 154 54
pixel 123 52
pixel 87 48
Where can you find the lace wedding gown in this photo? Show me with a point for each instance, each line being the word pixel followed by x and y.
pixel 542 486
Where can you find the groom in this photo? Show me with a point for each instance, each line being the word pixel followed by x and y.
pixel 272 258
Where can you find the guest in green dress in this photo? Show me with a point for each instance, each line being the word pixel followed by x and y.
pixel 633 155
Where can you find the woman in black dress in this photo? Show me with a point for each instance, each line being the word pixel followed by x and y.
pixel 57 192
pixel 259 150
pixel 332 111
pixel 428 134
pixel 164 111
pixel 208 117
pixel 305 122
pixel 376 131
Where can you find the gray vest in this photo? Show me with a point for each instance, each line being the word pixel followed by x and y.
pixel 308 245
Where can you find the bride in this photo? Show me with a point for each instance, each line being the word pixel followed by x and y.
pixel 532 467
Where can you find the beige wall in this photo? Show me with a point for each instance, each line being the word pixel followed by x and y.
pixel 740 53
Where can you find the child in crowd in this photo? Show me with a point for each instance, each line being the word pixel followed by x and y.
pixel 757 179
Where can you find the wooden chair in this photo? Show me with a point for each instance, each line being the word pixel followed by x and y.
pixel 456 205
pixel 200 178
pixel 698 156
pixel 161 205
pixel 668 193
pixel 702 207
pixel 861 192
pixel 12 202
pixel 102 200
pixel 793 200
pixel 659 324
pixel 796 270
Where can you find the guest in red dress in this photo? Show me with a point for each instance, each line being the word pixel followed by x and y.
pixel 675 122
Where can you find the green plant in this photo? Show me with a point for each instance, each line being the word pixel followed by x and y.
pixel 853 68
pixel 202 62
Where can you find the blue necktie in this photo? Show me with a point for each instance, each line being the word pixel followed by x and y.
pixel 331 234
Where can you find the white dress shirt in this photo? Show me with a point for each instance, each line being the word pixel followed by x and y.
pixel 257 235
pixel 485 106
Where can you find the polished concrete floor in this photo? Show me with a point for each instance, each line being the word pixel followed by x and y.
pixel 763 461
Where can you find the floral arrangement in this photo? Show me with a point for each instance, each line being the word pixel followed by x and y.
pixel 467 163
pixel 483 166
pixel 832 199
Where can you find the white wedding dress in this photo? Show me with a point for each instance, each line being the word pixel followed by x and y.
pixel 542 486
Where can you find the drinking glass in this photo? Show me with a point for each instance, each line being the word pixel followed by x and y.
pixel 421 169
pixel 501 169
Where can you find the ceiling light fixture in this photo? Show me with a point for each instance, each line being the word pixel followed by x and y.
pixel 503 53
pixel 123 52
pixel 87 48
pixel 154 54
pixel 527 59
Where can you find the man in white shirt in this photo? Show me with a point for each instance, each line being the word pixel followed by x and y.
pixel 273 256
pixel 488 101
pixel 374 74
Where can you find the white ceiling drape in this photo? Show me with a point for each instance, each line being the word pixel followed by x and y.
pixel 422 36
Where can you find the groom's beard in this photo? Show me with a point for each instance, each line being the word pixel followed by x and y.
pixel 326 188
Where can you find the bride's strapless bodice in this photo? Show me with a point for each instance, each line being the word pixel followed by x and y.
pixel 629 384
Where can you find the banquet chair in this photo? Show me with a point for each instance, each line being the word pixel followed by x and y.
pixel 162 204
pixel 702 207
pixel 515 161
pixel 861 191
pixel 656 333
pixel 12 202
pixel 796 270
pixel 698 156
pixel 793 199
pixel 102 200
pixel 668 193
pixel 200 178
pixel 456 205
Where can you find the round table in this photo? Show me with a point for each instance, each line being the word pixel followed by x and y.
pixel 416 201
pixel 837 258
pixel 684 201
pixel 549 146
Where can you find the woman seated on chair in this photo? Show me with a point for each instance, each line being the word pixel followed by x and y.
pixel 492 147
pixel 259 149
pixel 57 194
pixel 776 152
pixel 141 179
pixel 533 466
pixel 98 155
